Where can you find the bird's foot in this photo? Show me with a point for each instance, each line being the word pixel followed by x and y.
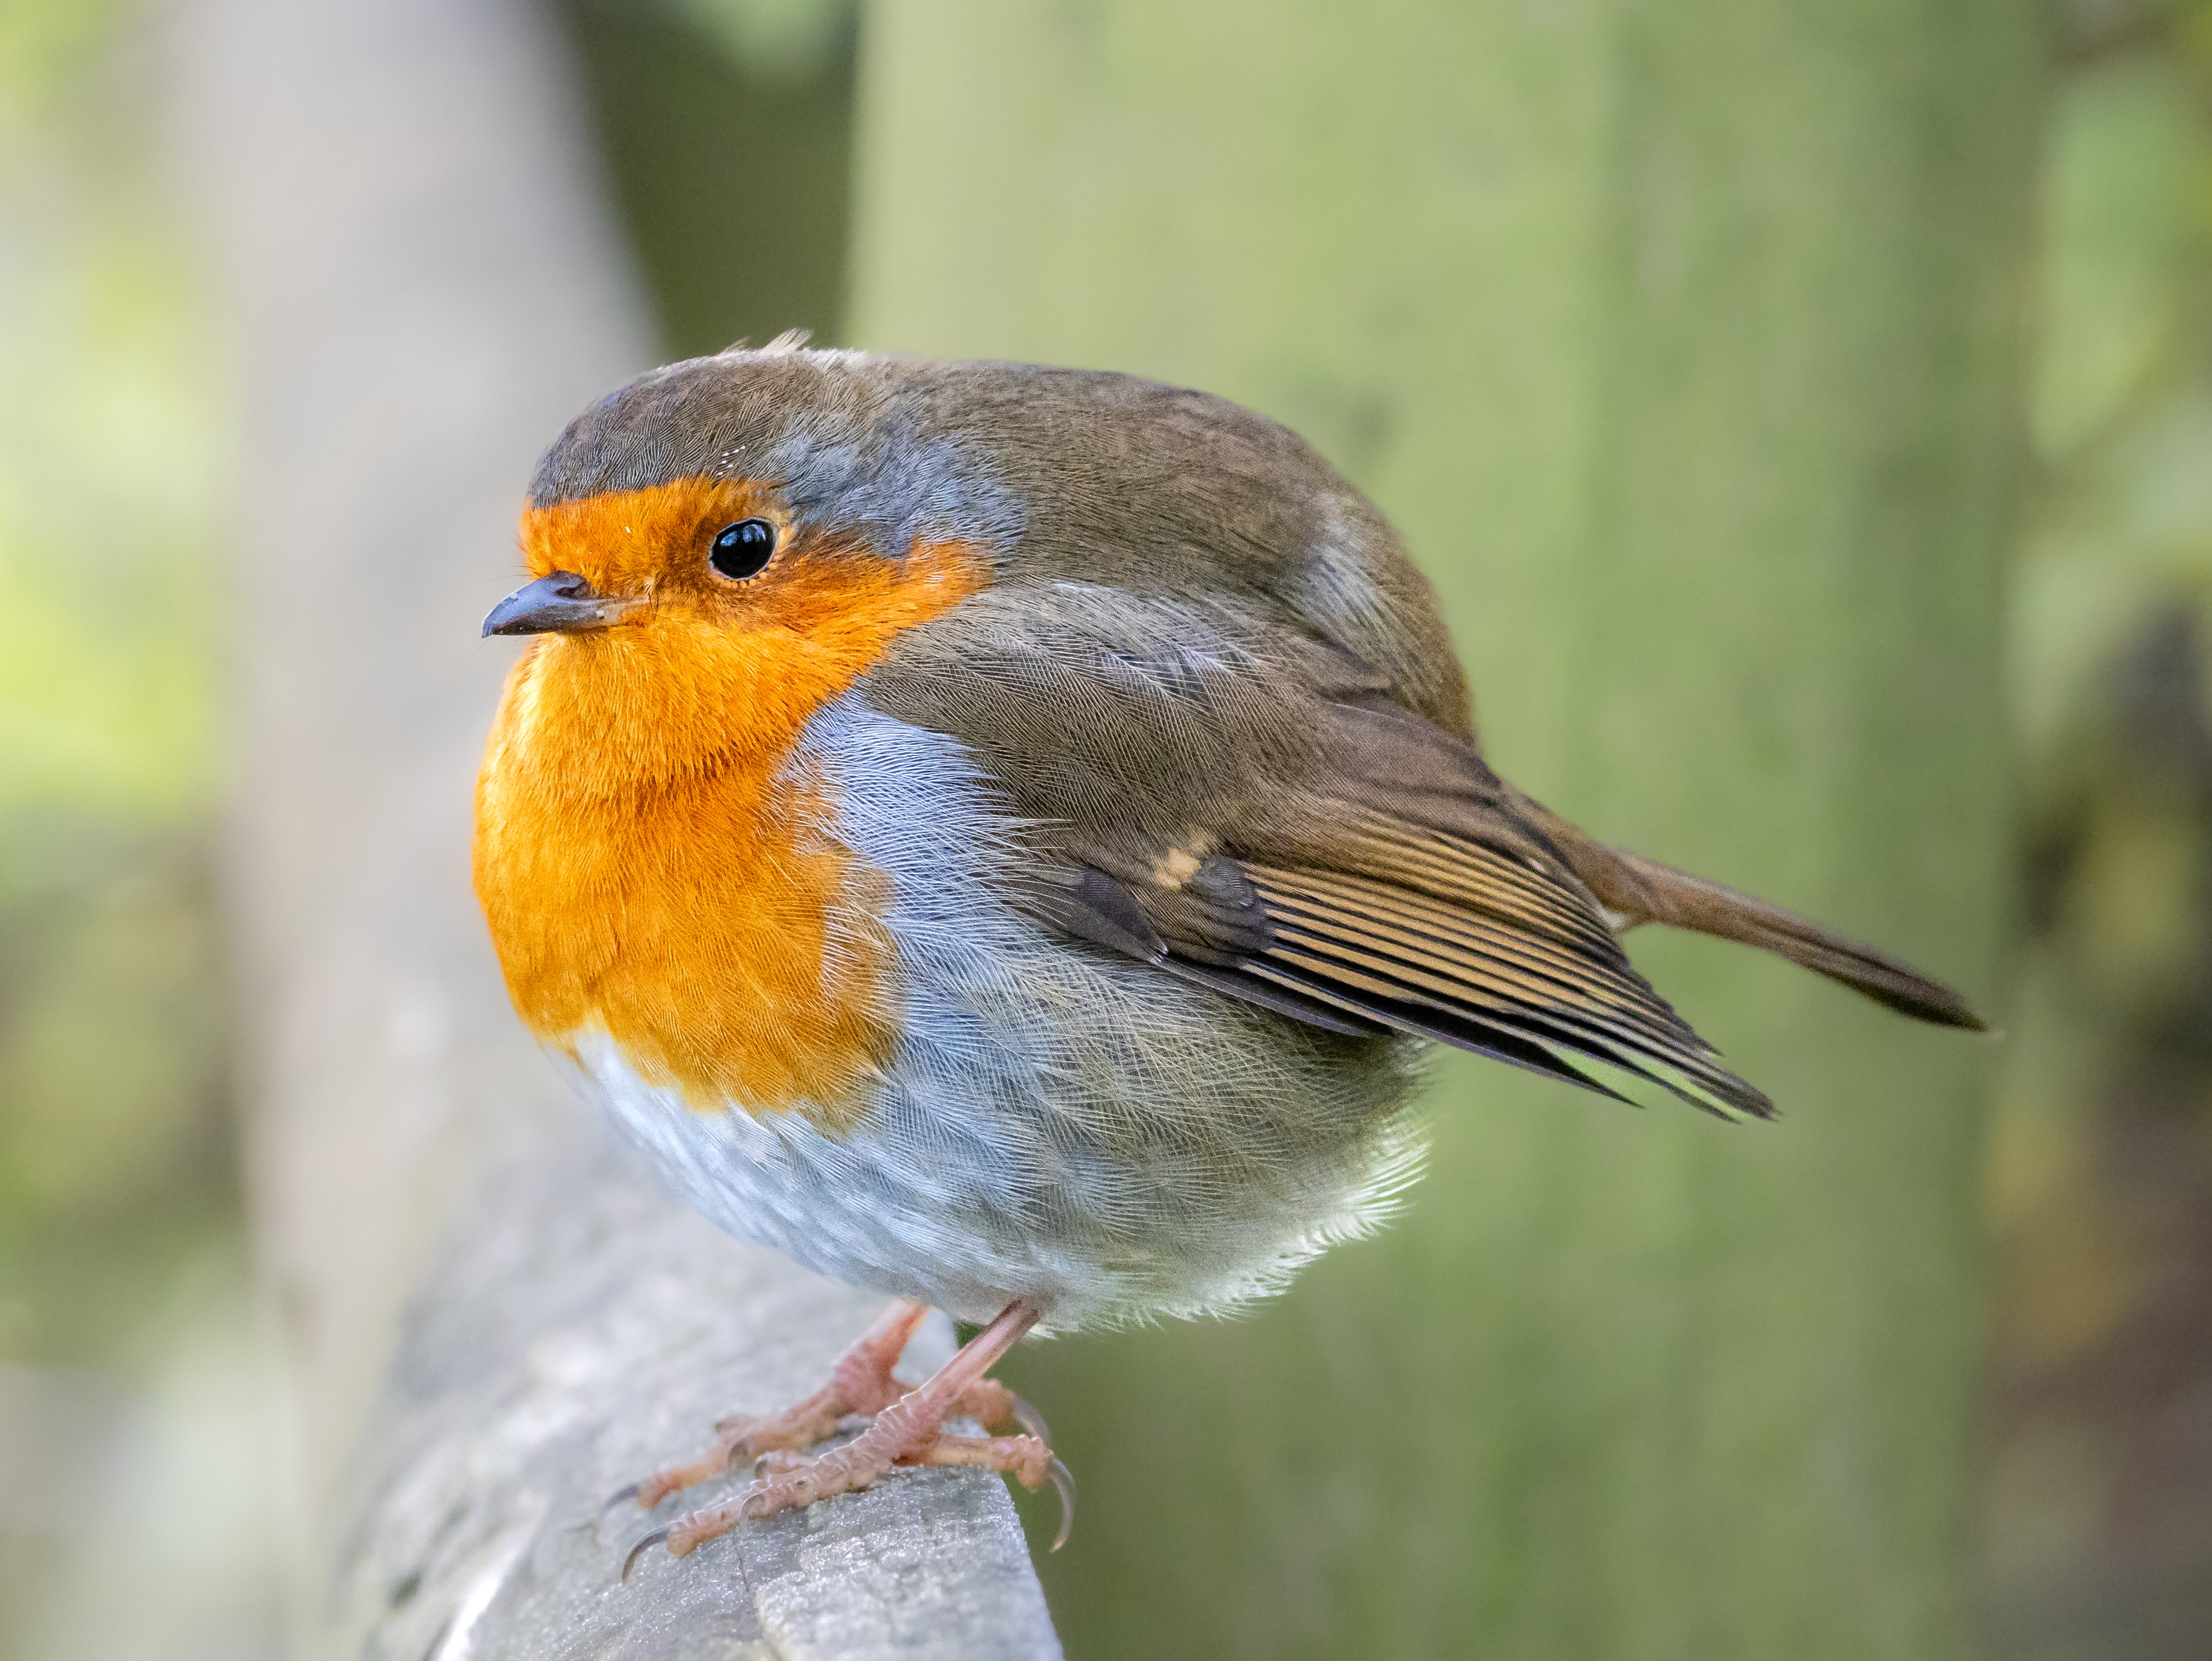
pixel 859 1385
pixel 907 1432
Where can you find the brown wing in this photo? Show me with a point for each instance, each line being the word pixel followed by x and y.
pixel 1417 931
pixel 1251 810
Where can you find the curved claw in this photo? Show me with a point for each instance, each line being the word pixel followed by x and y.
pixel 627 1491
pixel 1031 1420
pixel 638 1550
pixel 1063 1484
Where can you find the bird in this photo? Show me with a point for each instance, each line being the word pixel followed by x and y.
pixel 1004 837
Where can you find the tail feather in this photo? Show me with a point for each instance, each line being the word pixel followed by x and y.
pixel 1709 908
pixel 1636 890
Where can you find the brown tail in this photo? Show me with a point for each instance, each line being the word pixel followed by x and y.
pixel 1641 891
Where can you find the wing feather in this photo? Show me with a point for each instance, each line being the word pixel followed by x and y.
pixel 1599 1009
pixel 1246 807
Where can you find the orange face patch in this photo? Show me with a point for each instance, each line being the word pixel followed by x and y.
pixel 651 860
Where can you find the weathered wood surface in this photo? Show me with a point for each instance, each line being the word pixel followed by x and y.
pixel 576 1333
pixel 497 1318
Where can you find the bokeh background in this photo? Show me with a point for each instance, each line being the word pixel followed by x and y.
pixel 733 140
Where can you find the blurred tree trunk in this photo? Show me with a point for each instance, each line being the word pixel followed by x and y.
pixel 1680 342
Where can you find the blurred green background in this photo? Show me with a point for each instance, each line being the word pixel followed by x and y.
pixel 128 1337
pixel 127 1346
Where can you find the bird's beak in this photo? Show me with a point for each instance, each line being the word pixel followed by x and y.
pixel 561 604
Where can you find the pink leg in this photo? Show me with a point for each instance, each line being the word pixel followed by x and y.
pixel 861 1386
pixel 860 1382
pixel 906 1432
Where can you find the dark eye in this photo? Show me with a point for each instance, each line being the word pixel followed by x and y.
pixel 742 549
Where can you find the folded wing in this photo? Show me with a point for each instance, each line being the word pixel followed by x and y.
pixel 1250 809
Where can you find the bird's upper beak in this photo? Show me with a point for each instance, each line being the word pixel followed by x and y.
pixel 561 604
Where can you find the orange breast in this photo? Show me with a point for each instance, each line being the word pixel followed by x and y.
pixel 654 855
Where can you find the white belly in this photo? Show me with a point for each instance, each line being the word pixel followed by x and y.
pixel 1054 1122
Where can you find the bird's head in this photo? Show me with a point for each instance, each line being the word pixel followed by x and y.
pixel 718 549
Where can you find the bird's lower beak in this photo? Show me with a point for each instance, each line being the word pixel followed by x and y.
pixel 561 604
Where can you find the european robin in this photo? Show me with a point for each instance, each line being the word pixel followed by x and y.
pixel 1001 834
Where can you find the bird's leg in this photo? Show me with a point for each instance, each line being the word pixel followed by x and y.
pixel 861 1386
pixel 907 1431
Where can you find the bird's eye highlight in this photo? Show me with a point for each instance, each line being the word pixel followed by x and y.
pixel 743 550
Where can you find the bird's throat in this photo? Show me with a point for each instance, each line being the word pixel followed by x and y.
pixel 658 857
